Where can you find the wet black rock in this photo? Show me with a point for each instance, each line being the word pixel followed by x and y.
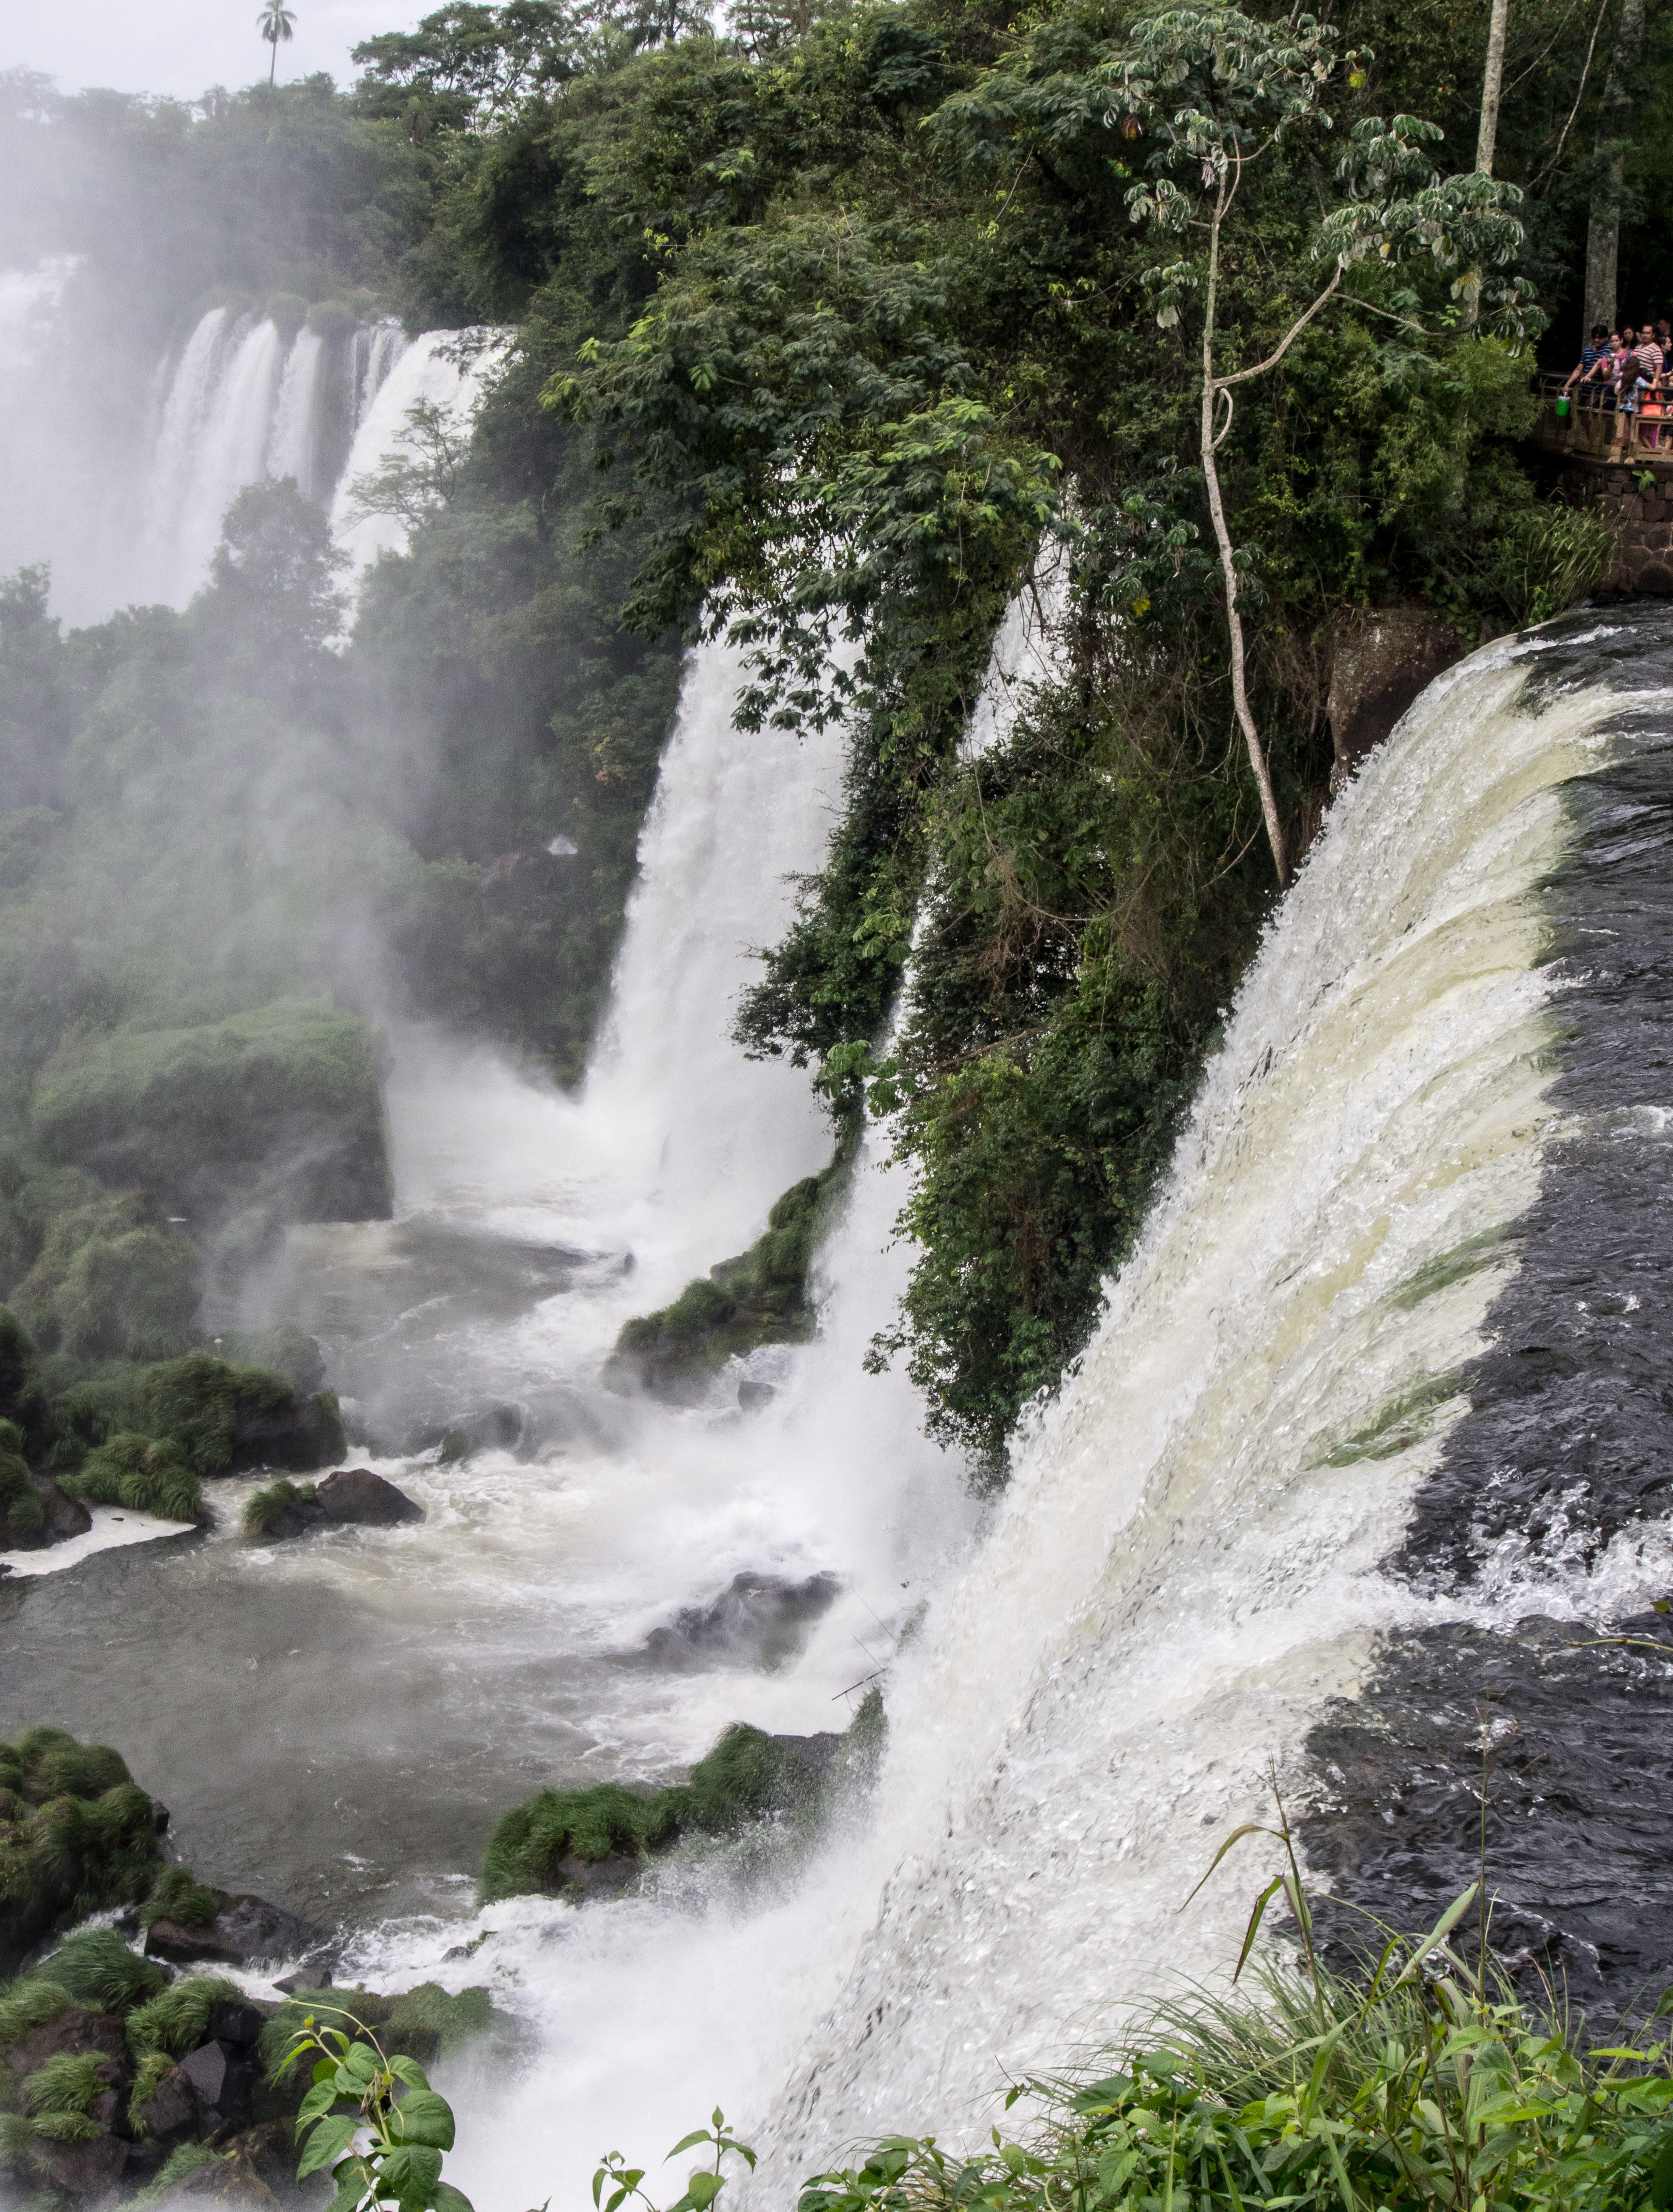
pixel 246 1931
pixel 759 1620
pixel 173 2107
pixel 353 1497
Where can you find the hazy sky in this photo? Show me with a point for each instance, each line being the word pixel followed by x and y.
pixel 184 46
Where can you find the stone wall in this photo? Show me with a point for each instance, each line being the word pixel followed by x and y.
pixel 1645 560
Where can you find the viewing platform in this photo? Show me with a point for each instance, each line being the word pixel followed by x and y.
pixel 1624 466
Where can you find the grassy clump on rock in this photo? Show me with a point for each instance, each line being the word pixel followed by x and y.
pixel 544 1845
pixel 77 1835
pixel 145 1477
pixel 760 1297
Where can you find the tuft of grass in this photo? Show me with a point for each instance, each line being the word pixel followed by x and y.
pixel 1428 2085
pixel 98 1970
pixel 178 1895
pixel 176 2020
pixel 26 2005
pixel 181 2161
pixel 145 1475
pixel 265 1511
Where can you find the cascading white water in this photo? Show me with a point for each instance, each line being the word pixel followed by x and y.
pixel 293 443
pixel 243 401
pixel 1181 1576
pixel 736 813
pixel 428 372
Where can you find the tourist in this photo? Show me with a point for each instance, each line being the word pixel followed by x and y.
pixel 1596 346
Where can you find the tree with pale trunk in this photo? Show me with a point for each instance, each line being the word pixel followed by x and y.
pixel 1216 93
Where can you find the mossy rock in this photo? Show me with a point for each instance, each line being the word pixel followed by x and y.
pixel 113 1280
pixel 219 1418
pixel 283 1097
pixel 759 1298
pixel 546 1846
pixel 77 1835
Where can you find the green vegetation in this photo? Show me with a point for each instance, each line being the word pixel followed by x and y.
pixel 760 1297
pixel 268 1506
pixel 371 2119
pixel 145 1477
pixel 76 1836
pixel 1418 2092
pixel 541 1846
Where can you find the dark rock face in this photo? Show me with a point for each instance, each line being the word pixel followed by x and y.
pixel 759 1620
pixel 357 1496
pixel 605 1877
pixel 173 2107
pixel 1381 659
pixel 88 2169
pixel 294 1438
pixel 71 2035
pixel 246 1931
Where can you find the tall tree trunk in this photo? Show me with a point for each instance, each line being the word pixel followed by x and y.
pixel 1492 78
pixel 1258 758
pixel 1614 122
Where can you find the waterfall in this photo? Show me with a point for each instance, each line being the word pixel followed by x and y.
pixel 1191 1564
pixel 243 401
pixel 429 371
pixel 713 1139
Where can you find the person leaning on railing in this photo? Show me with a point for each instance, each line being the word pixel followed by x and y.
pixel 1591 354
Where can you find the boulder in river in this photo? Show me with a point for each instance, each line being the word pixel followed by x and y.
pixel 759 1619
pixel 353 1497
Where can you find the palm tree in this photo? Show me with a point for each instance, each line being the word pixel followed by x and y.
pixel 275 22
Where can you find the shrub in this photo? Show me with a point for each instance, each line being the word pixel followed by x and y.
pixel 26 2005
pixel 113 1280
pixel 145 1477
pixel 76 1836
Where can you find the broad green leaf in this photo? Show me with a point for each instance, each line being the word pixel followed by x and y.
pixel 704 2188
pixel 318 2099
pixel 421 2117
pixel 361 2061
pixel 446 2198
pixel 329 2139
pixel 685 2142
pixel 410 2071
pixel 1661 2178
pixel 409 2174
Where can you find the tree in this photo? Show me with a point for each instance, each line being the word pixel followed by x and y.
pixel 275 22
pixel 272 583
pixel 1493 79
pixel 1218 92
pixel 1615 121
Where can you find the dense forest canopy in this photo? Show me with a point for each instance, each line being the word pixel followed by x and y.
pixel 827 324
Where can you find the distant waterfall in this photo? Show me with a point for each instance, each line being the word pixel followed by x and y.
pixel 243 401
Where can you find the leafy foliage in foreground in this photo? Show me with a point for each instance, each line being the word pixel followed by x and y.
pixel 1433 2089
